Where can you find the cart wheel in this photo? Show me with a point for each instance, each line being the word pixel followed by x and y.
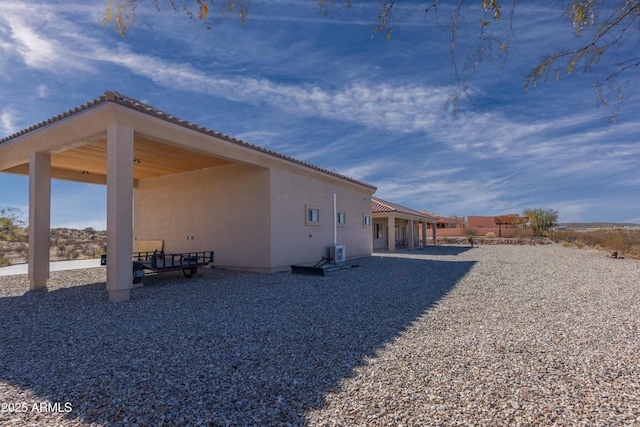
pixel 189 271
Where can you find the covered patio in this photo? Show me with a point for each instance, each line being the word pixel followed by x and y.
pixel 396 227
pixel 179 169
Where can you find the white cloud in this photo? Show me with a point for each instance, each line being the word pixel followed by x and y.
pixel 363 171
pixel 47 37
pixel 461 196
pixel 7 125
pixel 405 108
pixel 574 210
pixel 36 51
pixel 42 91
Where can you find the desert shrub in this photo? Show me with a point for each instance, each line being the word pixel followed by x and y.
pixel 620 242
pixel 100 250
pixel 564 236
pixel 470 231
pixel 4 262
pixel 625 242
pixel 591 239
pixel 522 233
pixel 490 235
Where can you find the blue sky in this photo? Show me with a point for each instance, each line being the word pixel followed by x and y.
pixel 322 90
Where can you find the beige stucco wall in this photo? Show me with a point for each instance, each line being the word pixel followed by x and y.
pixel 295 241
pixel 253 218
pixel 224 209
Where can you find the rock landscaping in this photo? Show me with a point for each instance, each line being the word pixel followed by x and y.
pixel 447 335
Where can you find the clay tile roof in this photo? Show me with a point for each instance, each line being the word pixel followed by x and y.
pixel 383 206
pixel 112 96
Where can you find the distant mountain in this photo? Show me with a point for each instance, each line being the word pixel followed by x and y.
pixel 583 225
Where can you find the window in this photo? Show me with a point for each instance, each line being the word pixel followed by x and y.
pixel 342 218
pixel 367 220
pixel 313 215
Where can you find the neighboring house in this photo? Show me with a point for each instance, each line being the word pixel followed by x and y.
pixel 395 226
pixel 452 221
pixel 501 225
pixel 191 187
pixel 507 221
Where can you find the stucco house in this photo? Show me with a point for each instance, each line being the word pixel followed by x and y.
pixel 191 187
pixel 395 226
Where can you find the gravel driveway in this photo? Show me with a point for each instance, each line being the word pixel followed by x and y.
pixel 495 335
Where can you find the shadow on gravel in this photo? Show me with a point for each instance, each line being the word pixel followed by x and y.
pixel 442 250
pixel 221 348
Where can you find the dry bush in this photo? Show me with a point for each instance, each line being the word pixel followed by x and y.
pixel 625 242
pixel 490 235
pixel 569 236
pixel 64 243
pixel 522 233
pixel 470 231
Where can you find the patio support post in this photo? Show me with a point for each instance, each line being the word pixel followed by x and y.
pixel 119 211
pixel 39 218
pixel 391 235
pixel 435 238
pixel 411 235
pixel 424 233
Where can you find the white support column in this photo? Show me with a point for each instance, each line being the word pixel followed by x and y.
pixel 119 211
pixel 391 234
pixel 424 233
pixel 411 237
pixel 39 218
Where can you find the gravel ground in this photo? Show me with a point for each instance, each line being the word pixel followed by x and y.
pixel 495 335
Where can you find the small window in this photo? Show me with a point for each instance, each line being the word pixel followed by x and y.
pixel 313 216
pixel 342 218
pixel 367 220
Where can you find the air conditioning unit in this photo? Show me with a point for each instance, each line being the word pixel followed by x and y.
pixel 337 254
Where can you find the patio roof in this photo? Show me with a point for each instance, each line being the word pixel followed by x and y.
pixel 383 206
pixel 86 160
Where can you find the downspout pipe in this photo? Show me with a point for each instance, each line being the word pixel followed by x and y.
pixel 335 222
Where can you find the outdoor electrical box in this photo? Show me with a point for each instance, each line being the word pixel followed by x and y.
pixel 337 254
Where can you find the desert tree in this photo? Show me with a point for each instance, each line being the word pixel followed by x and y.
pixel 12 225
pixel 541 221
pixel 608 28
pixel 122 13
